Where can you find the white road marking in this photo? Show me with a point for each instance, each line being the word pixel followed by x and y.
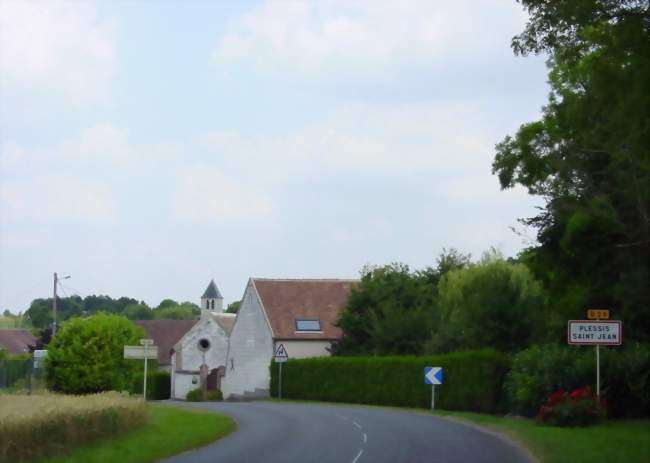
pixel 356 424
pixel 342 417
pixel 365 438
pixel 357 457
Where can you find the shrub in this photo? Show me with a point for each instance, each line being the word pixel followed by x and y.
pixel 214 396
pixel 86 355
pixel 472 380
pixel 580 408
pixel 38 425
pixel 538 371
pixel 158 385
pixel 195 395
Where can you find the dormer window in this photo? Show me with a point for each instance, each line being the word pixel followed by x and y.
pixel 304 324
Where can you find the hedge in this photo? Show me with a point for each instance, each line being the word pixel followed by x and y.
pixel 539 370
pixel 158 385
pixel 472 381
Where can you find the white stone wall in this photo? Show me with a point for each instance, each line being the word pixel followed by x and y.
pixel 183 384
pixel 191 357
pixel 299 349
pixel 215 356
pixel 251 349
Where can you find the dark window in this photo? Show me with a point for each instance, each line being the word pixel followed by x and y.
pixel 212 304
pixel 307 325
pixel 204 344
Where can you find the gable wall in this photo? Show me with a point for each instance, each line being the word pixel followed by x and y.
pixel 251 349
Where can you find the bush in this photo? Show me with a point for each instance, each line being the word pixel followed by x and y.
pixel 158 385
pixel 580 408
pixel 87 355
pixel 195 395
pixel 538 371
pixel 35 426
pixel 472 380
pixel 214 396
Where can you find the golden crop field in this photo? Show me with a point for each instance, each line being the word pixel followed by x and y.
pixel 32 426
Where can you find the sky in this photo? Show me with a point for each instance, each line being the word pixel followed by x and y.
pixel 147 147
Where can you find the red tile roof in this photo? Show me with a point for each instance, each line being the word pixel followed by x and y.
pixel 17 341
pixel 165 334
pixel 287 300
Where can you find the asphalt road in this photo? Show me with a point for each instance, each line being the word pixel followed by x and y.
pixel 273 432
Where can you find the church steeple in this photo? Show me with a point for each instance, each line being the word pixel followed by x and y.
pixel 212 299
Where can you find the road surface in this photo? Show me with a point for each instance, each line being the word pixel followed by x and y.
pixel 274 432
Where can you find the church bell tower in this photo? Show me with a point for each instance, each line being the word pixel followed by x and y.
pixel 212 301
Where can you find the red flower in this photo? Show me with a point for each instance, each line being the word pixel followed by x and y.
pixel 557 397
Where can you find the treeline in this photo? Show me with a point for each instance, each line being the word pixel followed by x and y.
pixel 39 313
pixel 455 305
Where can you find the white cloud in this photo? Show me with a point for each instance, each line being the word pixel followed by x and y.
pixel 103 142
pixel 322 39
pixel 207 196
pixel 56 198
pixel 368 140
pixel 56 47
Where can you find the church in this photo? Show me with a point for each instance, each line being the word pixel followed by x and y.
pixel 232 353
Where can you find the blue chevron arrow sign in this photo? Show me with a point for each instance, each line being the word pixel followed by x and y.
pixel 432 375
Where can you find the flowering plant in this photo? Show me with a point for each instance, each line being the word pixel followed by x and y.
pixel 581 407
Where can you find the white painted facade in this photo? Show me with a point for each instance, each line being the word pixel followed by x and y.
pixel 304 348
pixel 251 349
pixel 189 354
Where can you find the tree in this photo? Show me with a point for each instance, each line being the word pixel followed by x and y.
pixel 233 307
pixel 589 157
pixel 137 312
pixel 171 310
pixel 492 304
pixel 390 313
pixel 86 355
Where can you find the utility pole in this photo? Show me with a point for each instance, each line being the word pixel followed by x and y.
pixel 56 282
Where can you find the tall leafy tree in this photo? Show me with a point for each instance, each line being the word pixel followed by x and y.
pixel 589 157
pixel 86 355
pixel 494 303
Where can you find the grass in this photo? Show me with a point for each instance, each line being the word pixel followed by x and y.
pixel 169 431
pixel 612 441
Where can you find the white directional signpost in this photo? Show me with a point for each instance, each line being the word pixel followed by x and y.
pixel 146 350
pixel 596 332
pixel 280 355
pixel 433 376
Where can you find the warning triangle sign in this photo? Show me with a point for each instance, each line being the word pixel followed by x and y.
pixel 280 353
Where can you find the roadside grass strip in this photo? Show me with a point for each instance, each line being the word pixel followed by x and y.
pixel 32 426
pixel 612 441
pixel 168 431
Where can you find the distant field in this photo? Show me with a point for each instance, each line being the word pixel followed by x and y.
pixel 612 441
pixel 11 322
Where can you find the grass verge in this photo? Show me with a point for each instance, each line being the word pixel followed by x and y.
pixel 169 431
pixel 612 441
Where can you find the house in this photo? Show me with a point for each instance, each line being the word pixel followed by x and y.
pixel 200 354
pixel 16 341
pixel 300 314
pixel 165 334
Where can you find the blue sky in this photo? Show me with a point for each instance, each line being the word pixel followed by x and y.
pixel 146 147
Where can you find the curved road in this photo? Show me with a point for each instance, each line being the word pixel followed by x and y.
pixel 273 432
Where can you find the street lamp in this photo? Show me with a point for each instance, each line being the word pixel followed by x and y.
pixel 56 282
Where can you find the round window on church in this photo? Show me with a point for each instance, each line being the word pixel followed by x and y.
pixel 204 344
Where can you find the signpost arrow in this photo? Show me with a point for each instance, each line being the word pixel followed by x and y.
pixel 433 376
pixel 146 350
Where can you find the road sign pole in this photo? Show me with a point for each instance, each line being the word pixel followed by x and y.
pixel 144 387
pixel 433 397
pixel 598 370
pixel 280 382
